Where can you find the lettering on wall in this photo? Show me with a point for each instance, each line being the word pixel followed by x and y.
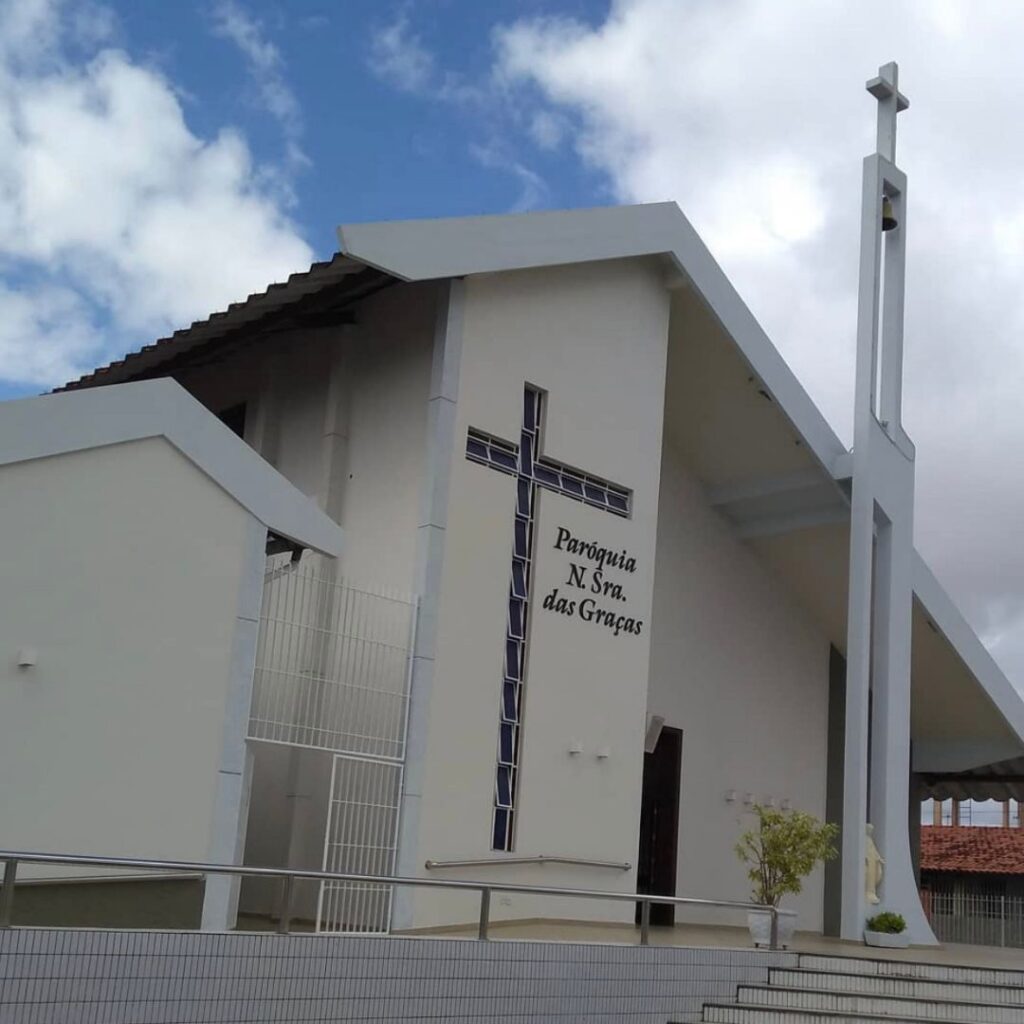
pixel 595 584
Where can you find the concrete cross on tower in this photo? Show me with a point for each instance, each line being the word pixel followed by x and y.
pixel 885 89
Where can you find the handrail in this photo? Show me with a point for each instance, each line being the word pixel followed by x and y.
pixel 540 858
pixel 11 859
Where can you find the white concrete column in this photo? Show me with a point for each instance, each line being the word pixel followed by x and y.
pixel 305 768
pixel 441 447
pixel 234 775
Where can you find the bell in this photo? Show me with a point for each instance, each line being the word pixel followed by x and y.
pixel 888 217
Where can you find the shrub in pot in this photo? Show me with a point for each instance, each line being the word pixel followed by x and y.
pixel 780 852
pixel 888 930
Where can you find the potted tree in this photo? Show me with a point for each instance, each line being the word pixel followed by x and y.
pixel 780 852
pixel 888 930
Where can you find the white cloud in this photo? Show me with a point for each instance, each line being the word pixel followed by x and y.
pixel 398 56
pixel 117 223
pixel 751 114
pixel 533 190
pixel 266 68
pixel 547 130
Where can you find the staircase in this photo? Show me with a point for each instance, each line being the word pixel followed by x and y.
pixel 849 990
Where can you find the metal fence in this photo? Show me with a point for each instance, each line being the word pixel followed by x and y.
pixel 977 919
pixel 332 662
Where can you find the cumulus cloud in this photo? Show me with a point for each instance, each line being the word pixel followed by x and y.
pixel 117 223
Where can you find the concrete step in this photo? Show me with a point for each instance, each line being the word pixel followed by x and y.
pixel 902 986
pixel 914 969
pixel 720 1013
pixel 887 1007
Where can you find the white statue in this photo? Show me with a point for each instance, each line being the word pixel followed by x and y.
pixel 874 865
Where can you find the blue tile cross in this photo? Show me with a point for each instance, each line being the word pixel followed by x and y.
pixel 532 469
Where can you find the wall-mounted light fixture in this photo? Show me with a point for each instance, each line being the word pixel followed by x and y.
pixel 27 657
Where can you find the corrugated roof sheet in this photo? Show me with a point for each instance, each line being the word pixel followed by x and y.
pixel 1003 780
pixel 975 849
pixel 258 305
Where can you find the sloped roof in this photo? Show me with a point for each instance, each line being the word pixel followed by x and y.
pixel 286 298
pixel 972 849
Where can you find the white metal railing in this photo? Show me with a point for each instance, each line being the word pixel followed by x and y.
pixel 288 877
pixel 538 858
pixel 976 919
pixel 333 662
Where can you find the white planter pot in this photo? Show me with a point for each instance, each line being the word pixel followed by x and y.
pixel 886 940
pixel 760 924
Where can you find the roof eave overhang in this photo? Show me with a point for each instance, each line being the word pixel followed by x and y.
pixel 419 250
pixel 35 428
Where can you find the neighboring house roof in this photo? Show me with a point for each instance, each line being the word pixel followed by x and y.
pixel 36 428
pixel 973 849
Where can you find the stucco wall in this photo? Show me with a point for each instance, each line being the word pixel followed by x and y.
pixel 740 668
pixel 122 568
pixel 594 338
pixel 390 365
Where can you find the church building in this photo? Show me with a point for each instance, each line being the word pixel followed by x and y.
pixel 498 547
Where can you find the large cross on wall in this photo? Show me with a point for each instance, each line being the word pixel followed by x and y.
pixel 532 468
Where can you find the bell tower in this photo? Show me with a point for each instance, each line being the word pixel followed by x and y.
pixel 877 774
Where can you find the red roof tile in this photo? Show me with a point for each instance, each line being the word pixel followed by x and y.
pixel 993 851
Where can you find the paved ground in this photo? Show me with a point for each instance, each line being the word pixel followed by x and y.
pixel 738 938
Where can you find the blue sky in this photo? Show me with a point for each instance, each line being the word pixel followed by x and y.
pixel 376 151
pixel 159 160
pixel 345 112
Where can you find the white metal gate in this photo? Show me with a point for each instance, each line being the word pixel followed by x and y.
pixel 333 673
pixel 362 833
pixel 332 664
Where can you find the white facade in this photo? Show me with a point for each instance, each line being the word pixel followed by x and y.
pixel 594 339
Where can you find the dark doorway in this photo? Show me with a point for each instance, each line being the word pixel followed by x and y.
pixel 659 824
pixel 834 775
